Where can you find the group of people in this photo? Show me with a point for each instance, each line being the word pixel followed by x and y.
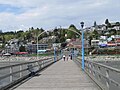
pixel 67 57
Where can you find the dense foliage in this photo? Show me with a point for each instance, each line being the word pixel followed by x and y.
pixel 31 35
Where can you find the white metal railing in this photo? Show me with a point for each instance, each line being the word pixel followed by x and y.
pixel 12 74
pixel 108 78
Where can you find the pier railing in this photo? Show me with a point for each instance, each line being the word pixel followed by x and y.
pixel 106 77
pixel 13 74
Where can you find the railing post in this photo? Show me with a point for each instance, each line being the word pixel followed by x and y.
pixel 39 63
pixel 87 65
pixel 55 54
pixel 11 76
pixel 43 63
pixel 107 81
pixel 61 54
pixel 93 70
pixel 99 70
pixel 20 70
pixel 90 67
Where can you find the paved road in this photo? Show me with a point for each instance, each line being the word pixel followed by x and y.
pixel 63 75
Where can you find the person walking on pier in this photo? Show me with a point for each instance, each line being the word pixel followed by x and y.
pixel 71 56
pixel 64 57
pixel 67 58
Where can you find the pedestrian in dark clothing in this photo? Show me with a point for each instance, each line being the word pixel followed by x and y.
pixel 67 58
pixel 64 57
pixel 71 57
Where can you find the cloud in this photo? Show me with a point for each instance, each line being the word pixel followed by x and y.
pixel 48 14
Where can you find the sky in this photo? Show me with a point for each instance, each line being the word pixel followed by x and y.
pixel 48 14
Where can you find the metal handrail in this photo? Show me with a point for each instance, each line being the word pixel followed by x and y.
pixel 23 63
pixel 23 67
pixel 105 66
pixel 95 71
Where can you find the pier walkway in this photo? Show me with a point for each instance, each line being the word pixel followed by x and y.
pixel 63 75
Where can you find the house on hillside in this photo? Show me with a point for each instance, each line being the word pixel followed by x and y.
pixel 12 46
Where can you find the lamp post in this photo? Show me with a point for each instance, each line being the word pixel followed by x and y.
pixel 82 39
pixel 55 58
pixel 55 54
pixel 38 47
pixel 37 42
pixel 82 25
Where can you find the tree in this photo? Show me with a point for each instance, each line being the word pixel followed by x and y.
pixel 106 21
pixel 22 49
pixel 62 39
pixel 49 33
pixel 113 32
pixel 63 32
pixel 56 41
pixel 3 39
pixel 72 27
pixel 117 23
pixel 71 34
pixel 95 34
pixel 108 24
pixel 55 31
pixel 63 45
pixel 95 24
pixel 28 35
pixel 41 30
pixel 32 28
pixel 45 34
pixel 19 34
